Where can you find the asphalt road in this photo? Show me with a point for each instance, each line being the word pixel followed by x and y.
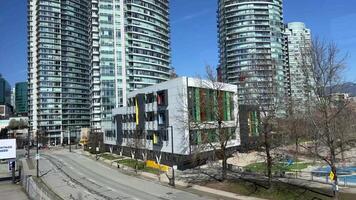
pixel 75 176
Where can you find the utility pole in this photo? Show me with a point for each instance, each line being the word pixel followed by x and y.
pixel 28 145
pixel 172 181
pixel 69 142
pixel 37 155
pixel 70 146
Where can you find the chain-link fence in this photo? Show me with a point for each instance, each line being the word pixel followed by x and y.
pixel 344 180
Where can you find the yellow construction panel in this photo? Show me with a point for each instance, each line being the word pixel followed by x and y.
pixel 154 165
pixel 331 175
pixel 136 110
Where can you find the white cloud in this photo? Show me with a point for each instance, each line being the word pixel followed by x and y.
pixel 191 16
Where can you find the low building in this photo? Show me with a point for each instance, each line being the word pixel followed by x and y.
pixel 4 123
pixel 340 96
pixel 17 127
pixel 84 136
pixel 177 108
pixel 5 111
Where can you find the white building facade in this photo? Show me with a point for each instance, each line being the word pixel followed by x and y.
pixel 174 108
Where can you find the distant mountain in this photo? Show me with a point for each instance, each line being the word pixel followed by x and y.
pixel 348 87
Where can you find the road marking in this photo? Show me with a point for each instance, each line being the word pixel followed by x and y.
pixel 112 189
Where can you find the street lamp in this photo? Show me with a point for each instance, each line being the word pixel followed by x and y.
pixel 70 134
pixel 172 180
pixel 37 155
pixel 70 144
pixel 28 144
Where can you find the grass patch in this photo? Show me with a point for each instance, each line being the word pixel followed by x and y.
pixel 279 191
pixel 140 165
pixel 278 167
pixel 110 156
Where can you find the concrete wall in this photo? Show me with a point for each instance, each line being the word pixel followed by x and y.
pixel 37 190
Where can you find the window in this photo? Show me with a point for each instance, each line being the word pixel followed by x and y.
pixel 149 135
pixel 110 133
pixel 162 118
pixel 150 116
pixel 150 98
pixel 164 135
pixel 162 98
pixel 195 137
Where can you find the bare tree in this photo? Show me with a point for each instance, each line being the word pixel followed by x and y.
pixel 212 118
pixel 269 98
pixel 332 134
pixel 14 124
pixel 137 145
pixel 173 74
pixel 95 141
pixel 293 127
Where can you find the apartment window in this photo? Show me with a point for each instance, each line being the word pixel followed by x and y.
pixel 149 135
pixel 162 118
pixel 195 137
pixel 162 98
pixel 164 135
pixel 150 98
pixel 150 116
pixel 110 133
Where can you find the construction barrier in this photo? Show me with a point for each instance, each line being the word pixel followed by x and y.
pixel 154 165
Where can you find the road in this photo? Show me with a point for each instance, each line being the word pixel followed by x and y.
pixel 74 176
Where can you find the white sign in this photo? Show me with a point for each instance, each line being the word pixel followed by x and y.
pixel 37 156
pixel 7 148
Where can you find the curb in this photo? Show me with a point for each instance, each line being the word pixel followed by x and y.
pixel 223 193
pixel 164 179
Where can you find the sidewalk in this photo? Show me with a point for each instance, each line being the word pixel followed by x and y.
pixel 163 179
pixel 12 191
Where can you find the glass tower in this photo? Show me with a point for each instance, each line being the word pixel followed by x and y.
pixel 21 98
pixel 58 66
pixel 250 49
pixel 130 50
pixel 5 92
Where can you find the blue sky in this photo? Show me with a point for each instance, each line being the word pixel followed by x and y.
pixel 193 32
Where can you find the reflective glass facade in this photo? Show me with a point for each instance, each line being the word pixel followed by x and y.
pixel 251 51
pixel 21 98
pixel 5 91
pixel 59 64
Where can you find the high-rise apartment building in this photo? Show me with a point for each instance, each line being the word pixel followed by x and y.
pixel 131 50
pixel 251 49
pixel 21 100
pixel 298 65
pixel 58 66
pixel 84 56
